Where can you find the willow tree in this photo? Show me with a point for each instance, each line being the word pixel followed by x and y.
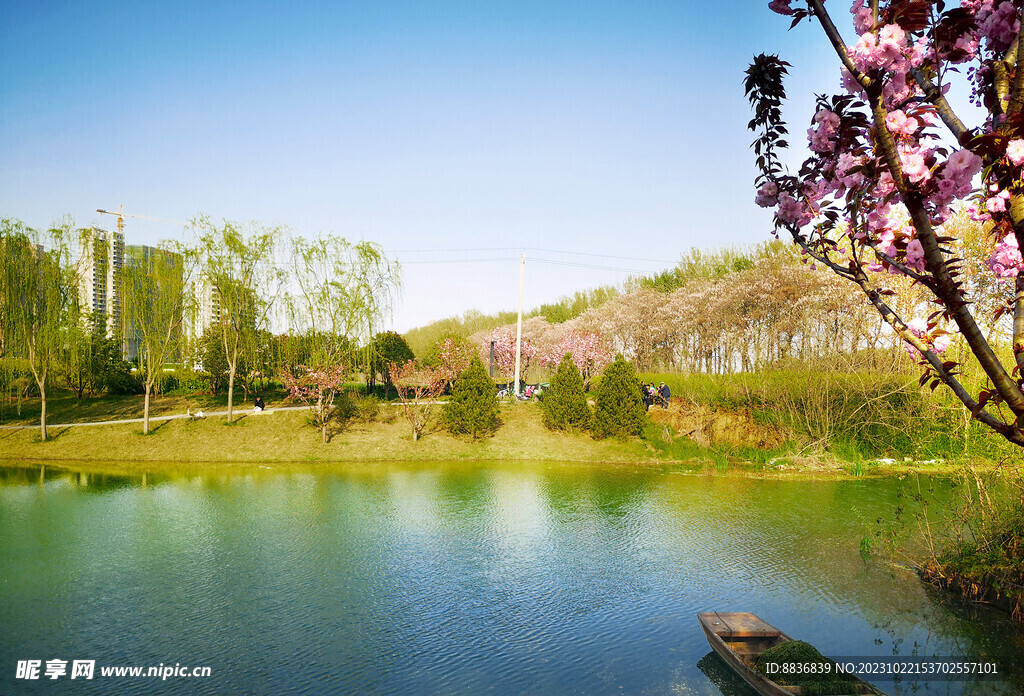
pixel 156 302
pixel 340 293
pixel 239 286
pixel 38 295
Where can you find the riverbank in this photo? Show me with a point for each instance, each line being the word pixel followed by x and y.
pixel 285 437
pixel 280 438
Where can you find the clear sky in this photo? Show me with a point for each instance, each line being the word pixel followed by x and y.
pixel 614 128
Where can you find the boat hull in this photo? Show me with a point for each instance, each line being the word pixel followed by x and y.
pixel 734 636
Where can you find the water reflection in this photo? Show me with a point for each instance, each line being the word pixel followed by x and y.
pixel 460 578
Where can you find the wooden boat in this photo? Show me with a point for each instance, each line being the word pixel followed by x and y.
pixel 739 638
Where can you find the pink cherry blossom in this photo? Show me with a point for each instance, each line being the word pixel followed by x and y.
pixel 590 351
pixel 997 203
pixel 767 195
pixel 937 340
pixel 1015 152
pixel 863 20
pixel 1006 260
pixel 899 122
pixel 792 211
pixel 912 162
pixel 915 255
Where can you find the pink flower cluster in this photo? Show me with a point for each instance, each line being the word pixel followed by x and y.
pixel 886 52
pixel 1006 261
pixel 863 20
pixel 887 49
pixel 997 20
pixel 936 339
pixel 793 211
pixel 767 195
pixel 504 339
pixel 590 352
pixel 822 134
pixel 1015 152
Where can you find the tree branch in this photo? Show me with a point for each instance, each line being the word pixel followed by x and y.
pixel 934 96
pixel 837 42
pixel 1001 69
pixel 946 288
pixel 903 268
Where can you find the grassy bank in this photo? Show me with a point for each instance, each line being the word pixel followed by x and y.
pixel 778 421
pixel 849 416
pixel 286 437
pixel 63 407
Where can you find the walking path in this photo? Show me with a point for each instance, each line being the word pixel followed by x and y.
pixel 176 416
pixel 152 418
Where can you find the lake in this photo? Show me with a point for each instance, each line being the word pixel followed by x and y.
pixel 456 578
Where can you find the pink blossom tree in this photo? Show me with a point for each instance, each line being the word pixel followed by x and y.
pixel 451 357
pixel 590 352
pixel 417 389
pixel 504 339
pixel 317 388
pixel 890 161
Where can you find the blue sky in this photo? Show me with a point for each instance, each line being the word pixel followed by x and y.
pixel 614 128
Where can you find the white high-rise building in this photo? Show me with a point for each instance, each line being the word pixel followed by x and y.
pixel 100 257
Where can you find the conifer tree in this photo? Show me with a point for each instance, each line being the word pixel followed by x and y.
pixel 473 408
pixel 565 403
pixel 620 407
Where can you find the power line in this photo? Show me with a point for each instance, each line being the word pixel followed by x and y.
pixel 586 265
pixel 432 251
pixel 506 258
pixel 604 256
pixel 545 251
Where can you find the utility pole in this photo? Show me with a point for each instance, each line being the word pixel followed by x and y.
pixel 519 321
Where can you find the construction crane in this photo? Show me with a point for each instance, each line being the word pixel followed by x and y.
pixel 121 215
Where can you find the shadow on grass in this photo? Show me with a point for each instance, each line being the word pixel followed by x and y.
pixel 154 426
pixel 54 433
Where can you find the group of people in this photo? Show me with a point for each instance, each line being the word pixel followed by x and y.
pixel 656 395
pixel 529 392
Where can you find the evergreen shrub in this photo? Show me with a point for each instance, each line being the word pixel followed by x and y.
pixel 620 408
pixel 473 408
pixel 565 402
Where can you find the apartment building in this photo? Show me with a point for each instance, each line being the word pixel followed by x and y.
pixel 100 257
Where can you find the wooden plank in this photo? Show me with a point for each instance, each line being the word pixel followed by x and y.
pixel 745 625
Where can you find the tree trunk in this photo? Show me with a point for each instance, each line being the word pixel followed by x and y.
pixel 42 410
pixel 145 410
pixel 231 392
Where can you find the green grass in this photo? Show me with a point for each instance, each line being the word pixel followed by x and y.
pixel 63 407
pixel 287 437
pixel 834 421
pixel 853 416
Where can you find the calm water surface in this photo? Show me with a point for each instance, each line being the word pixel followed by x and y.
pixel 469 578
